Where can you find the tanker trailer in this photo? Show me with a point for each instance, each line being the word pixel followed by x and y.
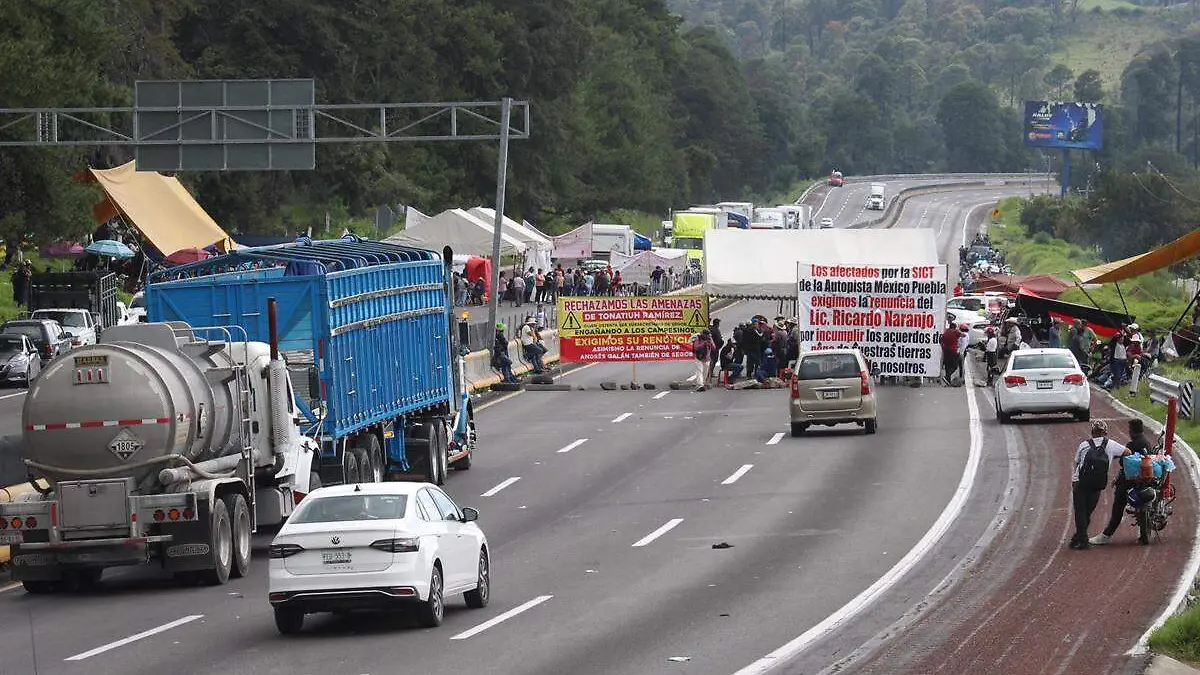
pixel 162 443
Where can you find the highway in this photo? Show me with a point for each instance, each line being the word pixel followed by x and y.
pixel 603 512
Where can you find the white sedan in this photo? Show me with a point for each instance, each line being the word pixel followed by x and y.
pixel 377 545
pixel 1042 381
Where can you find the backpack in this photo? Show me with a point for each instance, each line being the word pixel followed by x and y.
pixel 1093 473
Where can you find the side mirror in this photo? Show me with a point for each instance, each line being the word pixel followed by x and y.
pixel 469 514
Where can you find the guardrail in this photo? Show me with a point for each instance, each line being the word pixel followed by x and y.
pixel 1163 389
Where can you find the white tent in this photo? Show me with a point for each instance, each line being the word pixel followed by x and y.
pixel 539 249
pixel 461 231
pixel 636 269
pixel 762 263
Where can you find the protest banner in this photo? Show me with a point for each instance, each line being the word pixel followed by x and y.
pixel 893 313
pixel 628 328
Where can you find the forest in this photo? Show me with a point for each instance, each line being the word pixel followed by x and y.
pixel 639 105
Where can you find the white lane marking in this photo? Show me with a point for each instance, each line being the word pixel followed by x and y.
pixel 621 418
pixel 573 445
pixel 896 574
pixel 505 483
pixel 134 638
pixel 828 192
pixel 661 394
pixel 737 474
pixel 19 393
pixel 502 618
pixel 658 533
pixel 776 438
pixel 10 587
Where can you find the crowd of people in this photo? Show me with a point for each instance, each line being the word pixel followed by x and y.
pixel 545 286
pixel 757 349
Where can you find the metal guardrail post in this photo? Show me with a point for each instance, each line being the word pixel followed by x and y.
pixel 1187 409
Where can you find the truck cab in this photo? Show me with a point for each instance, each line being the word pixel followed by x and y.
pixel 79 324
pixel 875 197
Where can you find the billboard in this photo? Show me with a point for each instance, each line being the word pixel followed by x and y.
pixel 593 329
pixel 1064 125
pixel 893 313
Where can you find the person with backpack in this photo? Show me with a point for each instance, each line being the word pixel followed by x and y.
pixel 1139 445
pixel 704 349
pixel 1089 478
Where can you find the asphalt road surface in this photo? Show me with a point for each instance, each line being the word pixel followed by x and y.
pixel 603 534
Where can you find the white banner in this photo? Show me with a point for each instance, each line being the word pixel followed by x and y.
pixel 895 314
pixel 575 244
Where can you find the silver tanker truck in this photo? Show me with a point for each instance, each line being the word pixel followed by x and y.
pixel 161 443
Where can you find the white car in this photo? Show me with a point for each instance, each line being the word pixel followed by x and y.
pixel 377 545
pixel 976 323
pixel 1042 381
pixel 137 309
pixel 826 223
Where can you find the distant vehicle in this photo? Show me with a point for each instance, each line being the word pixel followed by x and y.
pixel 832 386
pixel 992 302
pixel 48 336
pixel 836 179
pixel 1042 381
pixel 95 292
pixel 79 324
pixel 375 546
pixel 826 223
pixel 875 199
pixel 20 362
pixel 137 309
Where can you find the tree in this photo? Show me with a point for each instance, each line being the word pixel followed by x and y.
pixel 1058 78
pixel 970 118
pixel 1088 87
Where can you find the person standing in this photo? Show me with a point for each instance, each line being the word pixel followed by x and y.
pixel 715 332
pixel 1089 478
pixel 704 349
pixel 950 362
pixel 1139 444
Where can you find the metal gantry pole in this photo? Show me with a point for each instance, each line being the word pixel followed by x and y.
pixel 501 182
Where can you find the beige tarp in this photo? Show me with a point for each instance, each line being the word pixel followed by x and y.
pixel 158 207
pixel 1166 255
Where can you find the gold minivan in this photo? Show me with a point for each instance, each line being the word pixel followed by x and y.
pixel 832 386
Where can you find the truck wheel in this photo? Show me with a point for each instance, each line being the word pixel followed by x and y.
pixel 366 473
pixel 349 467
pixel 374 455
pixel 239 514
pixel 443 436
pixel 433 465
pixel 221 538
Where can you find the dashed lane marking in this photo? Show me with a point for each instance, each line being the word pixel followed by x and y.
pixel 10 587
pixel 733 478
pixel 573 445
pixel 670 525
pixel 621 418
pixel 134 638
pixel 503 484
pixel 776 438
pixel 661 394
pixel 19 393
pixel 519 609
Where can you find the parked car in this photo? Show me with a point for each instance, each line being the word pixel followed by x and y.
pixel 832 386
pixel 79 324
pixel 1042 381
pixel 20 362
pixel 377 546
pixel 48 336
pixel 976 322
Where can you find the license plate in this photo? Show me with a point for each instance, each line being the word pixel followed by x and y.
pixel 831 394
pixel 1045 385
pixel 335 557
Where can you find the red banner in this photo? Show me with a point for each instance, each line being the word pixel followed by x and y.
pixel 611 348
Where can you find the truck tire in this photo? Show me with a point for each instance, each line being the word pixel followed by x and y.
pixel 239 514
pixel 365 471
pixel 220 537
pixel 443 438
pixel 349 467
pixel 433 463
pixel 377 467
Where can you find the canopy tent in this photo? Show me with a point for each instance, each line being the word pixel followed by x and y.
pixel 539 247
pixel 642 242
pixel 1166 255
pixel 1104 322
pixel 637 269
pixel 574 245
pixel 1045 285
pixel 461 231
pixel 762 263
pixel 158 207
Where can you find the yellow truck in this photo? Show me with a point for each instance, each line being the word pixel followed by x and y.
pixel 688 228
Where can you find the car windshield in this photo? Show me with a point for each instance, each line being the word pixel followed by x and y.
pixel 973 304
pixel 343 508
pixel 31 330
pixel 139 300
pixel 66 319
pixel 693 243
pixel 10 345
pixel 821 366
pixel 1040 361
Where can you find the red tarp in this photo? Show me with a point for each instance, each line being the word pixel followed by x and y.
pixel 1045 285
pixel 480 268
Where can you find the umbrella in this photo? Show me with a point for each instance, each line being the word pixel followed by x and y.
pixel 109 248
pixel 186 255
pixel 62 249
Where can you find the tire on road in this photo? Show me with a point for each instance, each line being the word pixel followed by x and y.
pixel 239 515
pixel 221 541
pixel 478 597
pixel 431 612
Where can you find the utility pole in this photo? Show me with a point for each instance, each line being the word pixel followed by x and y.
pixel 501 183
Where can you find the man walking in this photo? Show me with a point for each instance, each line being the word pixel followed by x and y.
pixel 1138 443
pixel 705 351
pixel 718 340
pixel 950 362
pixel 1089 478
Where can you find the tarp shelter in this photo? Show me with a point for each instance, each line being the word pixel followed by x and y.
pixel 1045 285
pixel 157 206
pixel 540 248
pixel 574 245
pixel 461 231
pixel 1104 322
pixel 642 242
pixel 637 269
pixel 480 268
pixel 762 263
pixel 1183 248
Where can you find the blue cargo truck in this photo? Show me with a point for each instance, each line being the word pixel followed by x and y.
pixel 367 330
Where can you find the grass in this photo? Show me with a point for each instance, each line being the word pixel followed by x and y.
pixel 1179 637
pixel 1154 300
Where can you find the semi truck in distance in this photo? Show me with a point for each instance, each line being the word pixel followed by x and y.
pixel 875 199
pixel 170 442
